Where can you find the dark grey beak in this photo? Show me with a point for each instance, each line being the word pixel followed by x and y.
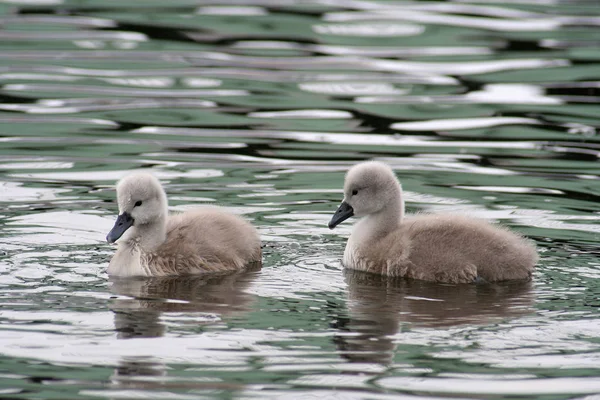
pixel 343 212
pixel 124 222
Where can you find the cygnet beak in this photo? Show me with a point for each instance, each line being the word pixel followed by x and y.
pixel 124 222
pixel 343 212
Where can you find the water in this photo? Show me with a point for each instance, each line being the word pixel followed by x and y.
pixel 486 108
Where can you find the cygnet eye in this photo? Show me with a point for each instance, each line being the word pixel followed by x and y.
pixel 354 192
pixel 138 203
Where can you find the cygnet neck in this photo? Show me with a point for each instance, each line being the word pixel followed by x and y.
pixel 151 235
pixel 389 217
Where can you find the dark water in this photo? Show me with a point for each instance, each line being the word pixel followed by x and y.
pixel 487 108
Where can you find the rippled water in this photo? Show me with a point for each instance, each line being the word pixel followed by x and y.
pixel 482 107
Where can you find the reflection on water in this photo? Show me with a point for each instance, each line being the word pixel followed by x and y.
pixel 143 305
pixel 379 306
pixel 204 299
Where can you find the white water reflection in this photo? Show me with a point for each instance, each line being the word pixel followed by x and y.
pixel 71 106
pixel 40 35
pixel 312 114
pixel 378 29
pixel 511 93
pixel 61 227
pixel 381 51
pixel 37 77
pixel 503 93
pixel 466 67
pixel 461 123
pixel 351 88
pixel 15 192
pixel 159 82
pixel 508 189
pixel 231 10
pixel 505 387
pixel 130 92
pixel 57 120
pixel 247 72
pixel 70 20
pixel 372 139
pixel 413 15
pixel 114 176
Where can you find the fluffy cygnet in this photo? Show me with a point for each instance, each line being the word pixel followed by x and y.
pixel 152 243
pixel 434 247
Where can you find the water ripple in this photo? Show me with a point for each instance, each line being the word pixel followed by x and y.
pixel 261 106
pixel 132 92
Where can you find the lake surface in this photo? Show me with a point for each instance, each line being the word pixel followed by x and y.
pixel 488 108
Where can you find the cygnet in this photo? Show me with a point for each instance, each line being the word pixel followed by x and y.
pixel 152 243
pixel 433 247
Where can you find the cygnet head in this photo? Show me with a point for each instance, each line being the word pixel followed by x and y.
pixel 369 188
pixel 142 201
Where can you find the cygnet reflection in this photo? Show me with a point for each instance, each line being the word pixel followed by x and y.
pixel 378 305
pixel 143 302
pixel 211 296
